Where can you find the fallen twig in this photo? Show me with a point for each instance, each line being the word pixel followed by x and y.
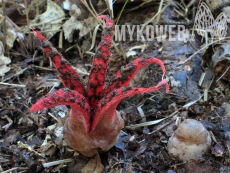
pixel 58 162
pixel 16 169
pixel 13 85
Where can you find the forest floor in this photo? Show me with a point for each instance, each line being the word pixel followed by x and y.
pixel 197 71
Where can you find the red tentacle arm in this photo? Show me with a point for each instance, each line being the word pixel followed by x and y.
pixel 68 75
pixel 107 106
pixel 100 63
pixel 126 74
pixel 80 110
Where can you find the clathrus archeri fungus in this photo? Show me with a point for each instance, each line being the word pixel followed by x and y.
pixel 94 122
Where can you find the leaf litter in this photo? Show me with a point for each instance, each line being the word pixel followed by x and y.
pixel 34 142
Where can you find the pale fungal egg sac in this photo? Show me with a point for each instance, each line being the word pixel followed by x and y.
pixel 190 141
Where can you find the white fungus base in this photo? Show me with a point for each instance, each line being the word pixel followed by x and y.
pixel 190 141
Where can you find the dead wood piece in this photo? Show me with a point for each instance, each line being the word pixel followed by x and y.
pixel 25 158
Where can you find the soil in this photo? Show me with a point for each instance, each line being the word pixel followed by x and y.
pixel 30 142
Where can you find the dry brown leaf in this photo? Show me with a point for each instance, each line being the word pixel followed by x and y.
pixel 57 129
pixel 46 81
pixel 93 166
pixel 49 21
pixel 74 24
pixel 220 61
pixel 218 150
pixel 3 61
pixel 12 33
pixel 59 168
pixel 86 165
pixel 10 122
pixel 47 147
pixel 21 145
pixel 139 77
pixel 10 138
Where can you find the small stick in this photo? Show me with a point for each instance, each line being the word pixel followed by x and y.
pixel 4 24
pixel 93 8
pixel 16 26
pixel 13 85
pixel 23 156
pixel 158 17
pixel 190 3
pixel 28 23
pixel 15 169
pixel 114 45
pixel 44 68
pixel 189 58
pixel 58 162
pixel 109 7
pixel 42 119
pixel 18 73
pixel 60 43
pixel 80 53
pixel 53 116
pixel 158 12
pixel 122 51
pixel 87 6
pixel 223 74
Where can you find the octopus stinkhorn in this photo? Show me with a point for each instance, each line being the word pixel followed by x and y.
pixel 94 124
